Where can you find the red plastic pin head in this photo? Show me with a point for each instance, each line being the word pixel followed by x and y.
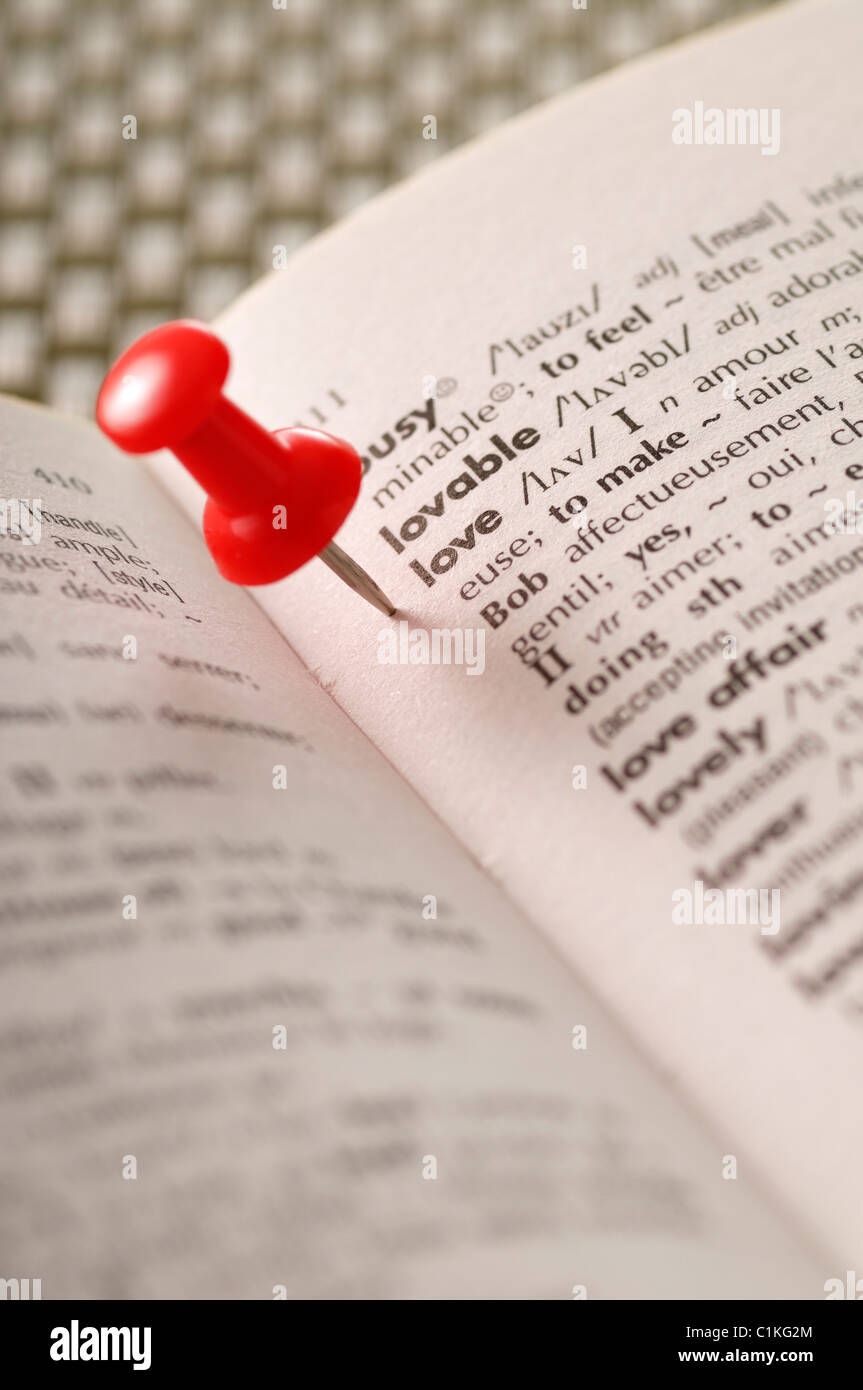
pixel 163 388
pixel 273 500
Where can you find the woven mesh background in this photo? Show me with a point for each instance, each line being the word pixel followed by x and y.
pixel 256 127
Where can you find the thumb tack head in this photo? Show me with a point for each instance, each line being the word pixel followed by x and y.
pixel 274 500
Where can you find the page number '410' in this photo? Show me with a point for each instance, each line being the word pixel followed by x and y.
pixel 62 480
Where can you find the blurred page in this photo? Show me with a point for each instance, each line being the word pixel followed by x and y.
pixel 266 1031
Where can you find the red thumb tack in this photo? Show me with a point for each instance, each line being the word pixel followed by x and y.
pixel 274 501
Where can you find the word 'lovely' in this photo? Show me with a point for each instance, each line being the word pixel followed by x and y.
pixel 76 1343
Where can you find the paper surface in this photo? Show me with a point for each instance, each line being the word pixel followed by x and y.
pixel 266 1031
pixel 578 291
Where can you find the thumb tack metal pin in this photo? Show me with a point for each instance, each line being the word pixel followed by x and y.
pixel 274 501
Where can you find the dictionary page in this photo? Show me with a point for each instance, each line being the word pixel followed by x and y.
pixel 606 372
pixel 266 1031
